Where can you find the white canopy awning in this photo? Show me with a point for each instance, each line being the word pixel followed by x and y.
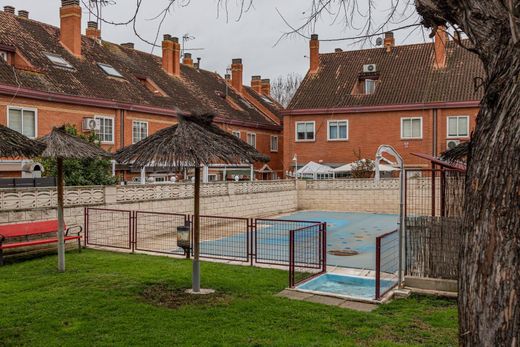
pixel 312 168
pixel 350 166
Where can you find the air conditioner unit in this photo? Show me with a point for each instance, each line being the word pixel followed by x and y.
pixel 3 55
pixel 452 144
pixel 369 68
pixel 91 124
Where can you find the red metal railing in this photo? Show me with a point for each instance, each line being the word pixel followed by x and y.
pixel 307 253
pixel 387 262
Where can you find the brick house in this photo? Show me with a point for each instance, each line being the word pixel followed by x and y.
pixel 417 98
pixel 50 76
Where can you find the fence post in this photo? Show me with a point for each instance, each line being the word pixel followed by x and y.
pixel 85 226
pixel 378 267
pixel 291 258
pixel 252 236
pixel 324 247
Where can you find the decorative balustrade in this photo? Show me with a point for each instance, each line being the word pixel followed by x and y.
pixel 30 198
pixel 351 184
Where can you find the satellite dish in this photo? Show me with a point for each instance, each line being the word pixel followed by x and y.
pixel 379 41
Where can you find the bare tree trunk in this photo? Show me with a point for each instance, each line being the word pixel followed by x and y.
pixel 489 272
pixel 489 283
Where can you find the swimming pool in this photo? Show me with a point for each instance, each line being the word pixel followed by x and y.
pixel 347 286
pixel 346 231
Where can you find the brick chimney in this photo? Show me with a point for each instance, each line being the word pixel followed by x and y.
pixel 187 60
pixel 171 55
pixel 92 31
pixel 70 26
pixel 23 14
pixel 236 74
pixel 176 57
pixel 256 84
pixel 9 9
pixel 441 40
pixel 314 46
pixel 266 86
pixel 389 41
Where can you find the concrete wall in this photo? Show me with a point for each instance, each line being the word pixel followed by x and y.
pixel 354 195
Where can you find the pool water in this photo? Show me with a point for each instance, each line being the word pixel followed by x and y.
pixel 346 286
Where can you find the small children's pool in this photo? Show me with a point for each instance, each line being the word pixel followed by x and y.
pixel 347 286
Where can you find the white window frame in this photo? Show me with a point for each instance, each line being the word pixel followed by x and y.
pixel 448 136
pixel 247 138
pixel 337 121
pixel 135 122
pixel 277 143
pixel 35 110
pixel 296 131
pixel 113 129
pixel 411 137
pixel 236 133
pixel 373 86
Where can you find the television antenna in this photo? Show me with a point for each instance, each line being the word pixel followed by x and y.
pixel 186 38
pixel 95 8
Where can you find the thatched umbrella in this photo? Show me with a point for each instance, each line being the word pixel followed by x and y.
pixel 14 145
pixel 194 142
pixel 62 145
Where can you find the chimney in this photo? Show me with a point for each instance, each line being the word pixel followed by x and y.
pixel 187 60
pixel 176 56
pixel 23 14
pixel 266 87
pixel 441 40
pixel 9 9
pixel 92 31
pixel 70 26
pixel 167 54
pixel 256 84
pixel 128 45
pixel 314 46
pixel 236 74
pixel 198 62
pixel 389 41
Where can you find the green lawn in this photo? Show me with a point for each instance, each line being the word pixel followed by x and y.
pixel 99 301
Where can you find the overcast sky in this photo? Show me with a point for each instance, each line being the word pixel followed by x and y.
pixel 252 38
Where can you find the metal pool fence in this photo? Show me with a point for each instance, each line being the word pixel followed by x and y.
pixel 307 253
pixel 253 241
pixel 387 262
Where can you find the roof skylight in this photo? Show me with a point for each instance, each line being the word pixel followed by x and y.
pixel 110 70
pixel 58 60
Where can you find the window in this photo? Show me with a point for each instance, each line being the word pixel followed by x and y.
pixel 106 131
pixel 23 120
pixel 274 143
pixel 139 131
pixel 305 131
pixel 458 126
pixel 236 133
pixel 370 86
pixel 109 70
pixel 337 130
pixel 251 139
pixel 58 60
pixel 411 128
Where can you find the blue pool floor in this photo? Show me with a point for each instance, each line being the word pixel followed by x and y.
pixel 345 230
pixel 346 286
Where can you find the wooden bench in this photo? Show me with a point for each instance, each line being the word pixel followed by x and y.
pixel 11 234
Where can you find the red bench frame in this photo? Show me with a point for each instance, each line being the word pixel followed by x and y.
pixel 10 231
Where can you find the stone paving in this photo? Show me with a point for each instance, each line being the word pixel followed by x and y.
pixel 327 300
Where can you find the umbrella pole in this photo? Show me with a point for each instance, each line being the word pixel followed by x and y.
pixel 196 233
pixel 61 222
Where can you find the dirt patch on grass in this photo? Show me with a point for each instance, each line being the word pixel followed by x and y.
pixel 167 296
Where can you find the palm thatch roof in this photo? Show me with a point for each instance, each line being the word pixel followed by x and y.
pixel 61 144
pixel 194 141
pixel 457 154
pixel 13 144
